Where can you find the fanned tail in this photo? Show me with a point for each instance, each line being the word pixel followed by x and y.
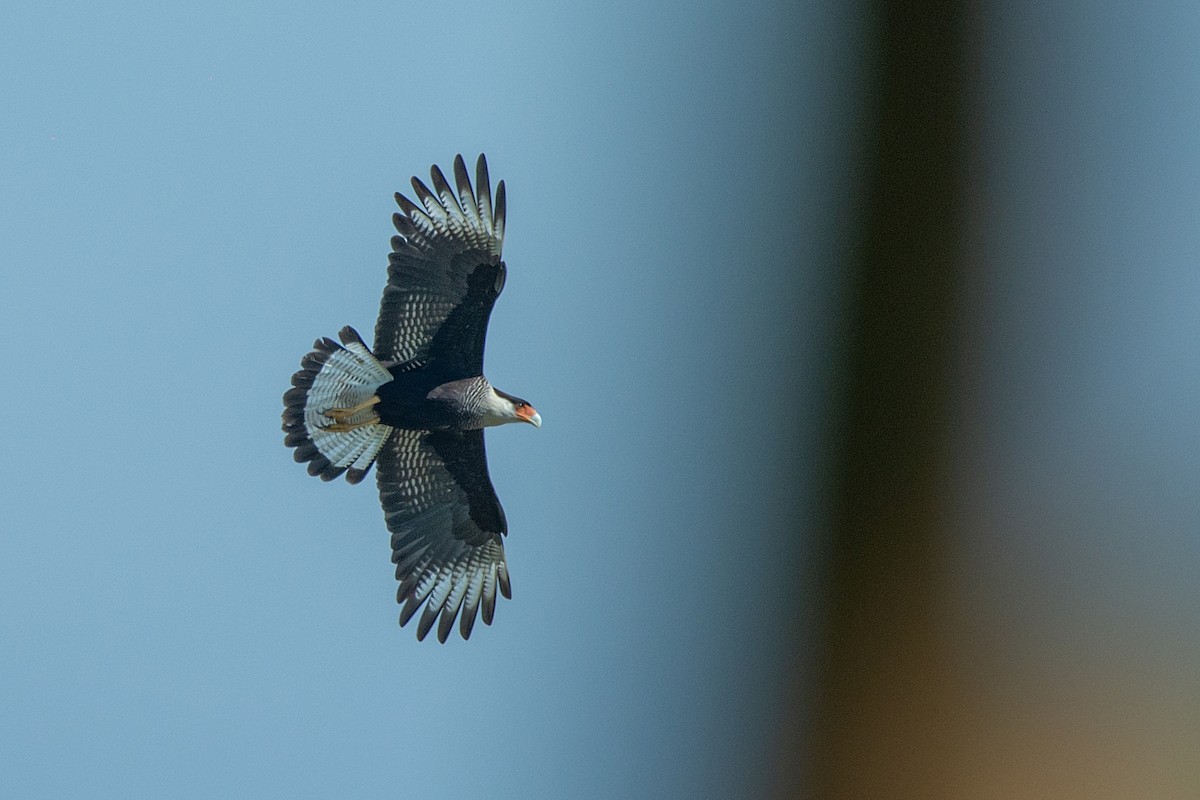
pixel 335 376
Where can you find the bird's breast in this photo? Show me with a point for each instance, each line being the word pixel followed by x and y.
pixel 419 402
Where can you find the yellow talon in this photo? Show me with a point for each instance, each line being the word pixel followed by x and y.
pixel 343 414
pixel 340 415
pixel 342 427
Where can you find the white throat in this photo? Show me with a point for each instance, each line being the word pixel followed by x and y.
pixel 496 409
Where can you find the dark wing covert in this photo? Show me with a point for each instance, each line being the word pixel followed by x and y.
pixel 446 524
pixel 444 273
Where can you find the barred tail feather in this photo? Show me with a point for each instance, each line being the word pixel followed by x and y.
pixel 335 376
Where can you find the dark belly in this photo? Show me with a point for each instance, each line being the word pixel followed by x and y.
pixel 404 403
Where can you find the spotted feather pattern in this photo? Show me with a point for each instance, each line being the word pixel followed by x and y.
pixel 443 239
pixel 447 525
pixel 446 539
pixel 335 376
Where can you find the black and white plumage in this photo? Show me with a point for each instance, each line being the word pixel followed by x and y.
pixel 415 406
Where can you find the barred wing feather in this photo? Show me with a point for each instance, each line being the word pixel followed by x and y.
pixel 444 267
pixel 446 524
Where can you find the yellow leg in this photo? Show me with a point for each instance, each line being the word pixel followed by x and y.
pixel 342 427
pixel 340 415
pixel 343 414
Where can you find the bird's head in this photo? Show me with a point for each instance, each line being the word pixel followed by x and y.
pixel 513 409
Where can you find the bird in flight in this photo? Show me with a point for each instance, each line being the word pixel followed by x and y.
pixel 415 405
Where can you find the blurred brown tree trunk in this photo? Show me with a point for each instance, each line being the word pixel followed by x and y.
pixel 886 691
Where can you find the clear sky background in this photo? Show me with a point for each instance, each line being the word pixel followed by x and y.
pixel 194 192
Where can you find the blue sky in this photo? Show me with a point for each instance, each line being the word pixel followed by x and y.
pixel 194 192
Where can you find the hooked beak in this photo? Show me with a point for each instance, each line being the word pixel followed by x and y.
pixel 527 414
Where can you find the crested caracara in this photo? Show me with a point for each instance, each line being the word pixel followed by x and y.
pixel 416 404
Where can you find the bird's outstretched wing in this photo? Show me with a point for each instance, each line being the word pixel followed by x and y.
pixel 446 525
pixel 444 273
